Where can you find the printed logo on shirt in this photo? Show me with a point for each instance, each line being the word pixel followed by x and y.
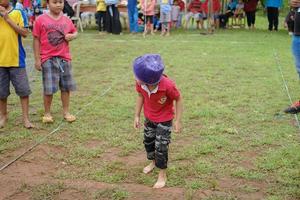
pixel 55 34
pixel 162 100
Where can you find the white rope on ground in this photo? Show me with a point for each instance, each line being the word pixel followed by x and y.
pixel 59 126
pixel 285 84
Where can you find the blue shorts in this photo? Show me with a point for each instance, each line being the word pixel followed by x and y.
pixel 296 52
pixel 18 77
pixel 57 74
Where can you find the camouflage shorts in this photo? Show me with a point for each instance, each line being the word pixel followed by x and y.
pixel 157 137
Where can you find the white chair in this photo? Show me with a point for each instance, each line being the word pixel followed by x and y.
pixel 76 18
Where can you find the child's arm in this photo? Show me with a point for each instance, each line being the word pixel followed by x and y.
pixel 138 109
pixel 36 50
pixel 20 30
pixel 178 111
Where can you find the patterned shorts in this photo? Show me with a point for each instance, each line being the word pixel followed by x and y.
pixel 57 73
pixel 19 79
pixel 157 137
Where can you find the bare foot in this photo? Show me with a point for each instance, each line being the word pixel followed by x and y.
pixel 149 168
pixel 28 124
pixel 167 34
pixel 162 179
pixel 3 120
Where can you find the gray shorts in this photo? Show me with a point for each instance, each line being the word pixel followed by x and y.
pixel 57 74
pixel 165 17
pixel 19 79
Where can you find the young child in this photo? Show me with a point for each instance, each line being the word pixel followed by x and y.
pixel 165 16
pixel 52 33
pixel 195 11
pixel 101 12
pixel 156 95
pixel 238 13
pixel 175 13
pixel 12 61
pixel 147 7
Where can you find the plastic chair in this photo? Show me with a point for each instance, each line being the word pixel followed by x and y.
pixel 76 18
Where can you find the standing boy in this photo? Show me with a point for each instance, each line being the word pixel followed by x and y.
pixel 52 33
pixel 12 61
pixel 156 95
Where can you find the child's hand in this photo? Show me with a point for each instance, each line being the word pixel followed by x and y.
pixel 177 126
pixel 38 65
pixel 69 37
pixel 137 123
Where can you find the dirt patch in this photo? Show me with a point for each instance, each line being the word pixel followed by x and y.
pixel 248 159
pixel 36 165
pixel 94 144
pixel 256 189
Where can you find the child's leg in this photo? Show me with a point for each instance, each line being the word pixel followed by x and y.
pixel 25 112
pixel 50 71
pixel 4 93
pixel 152 28
pixel 47 104
pixel 67 85
pixel 20 82
pixel 163 137
pixel 149 143
pixel 65 100
pixel 3 112
pixel 168 28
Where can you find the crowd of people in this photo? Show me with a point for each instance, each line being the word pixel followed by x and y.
pixel 150 16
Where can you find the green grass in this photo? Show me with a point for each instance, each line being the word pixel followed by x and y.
pixel 233 98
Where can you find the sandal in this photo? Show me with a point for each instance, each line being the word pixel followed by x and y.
pixel 47 119
pixel 70 118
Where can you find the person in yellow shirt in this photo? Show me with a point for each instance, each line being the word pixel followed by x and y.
pixel 12 61
pixel 101 15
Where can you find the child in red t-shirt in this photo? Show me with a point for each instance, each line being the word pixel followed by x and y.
pixel 156 94
pixel 52 33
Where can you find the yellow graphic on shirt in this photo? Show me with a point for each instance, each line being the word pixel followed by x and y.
pixel 162 100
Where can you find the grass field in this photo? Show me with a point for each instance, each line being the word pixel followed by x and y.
pixel 236 142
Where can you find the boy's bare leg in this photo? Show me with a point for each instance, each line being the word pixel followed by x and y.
pixel 162 179
pixel 25 112
pixel 168 29
pixel 149 167
pixel 47 104
pixel 65 99
pixel 3 112
pixel 152 29
pixel 145 30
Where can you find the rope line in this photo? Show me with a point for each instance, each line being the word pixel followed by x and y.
pixel 285 84
pixel 59 126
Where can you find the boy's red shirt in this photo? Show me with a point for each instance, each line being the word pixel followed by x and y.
pixel 159 106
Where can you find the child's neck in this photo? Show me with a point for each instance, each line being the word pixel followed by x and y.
pixel 54 15
pixel 151 87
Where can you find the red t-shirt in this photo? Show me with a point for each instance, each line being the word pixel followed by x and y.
pixel 215 8
pixel 195 6
pixel 181 5
pixel 51 33
pixel 159 106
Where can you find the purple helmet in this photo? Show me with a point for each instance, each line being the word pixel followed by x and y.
pixel 148 68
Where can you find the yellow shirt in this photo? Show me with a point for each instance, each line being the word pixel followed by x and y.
pixel 12 53
pixel 101 6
